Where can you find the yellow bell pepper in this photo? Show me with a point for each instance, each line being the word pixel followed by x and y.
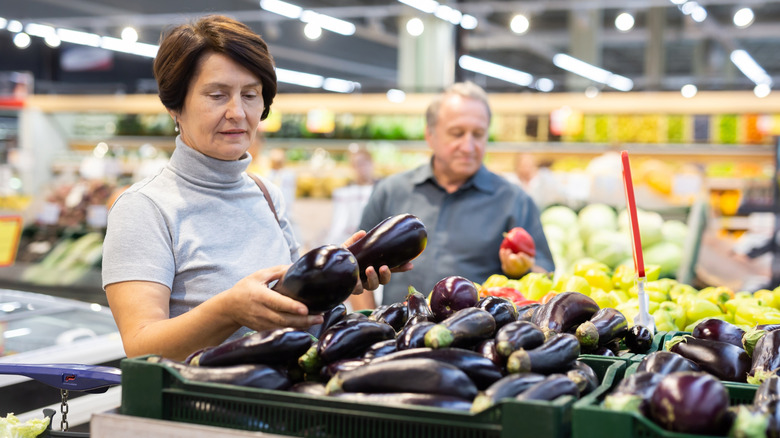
pixel 623 277
pixel 603 299
pixel 716 295
pixel 766 297
pixel 620 295
pixel 581 267
pixel 676 312
pixel 681 289
pixel 538 286
pixel 753 315
pixel 699 308
pixel 597 278
pixel 495 280
pixel 664 321
pixel 577 284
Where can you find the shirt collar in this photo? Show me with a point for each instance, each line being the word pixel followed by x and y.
pixel 482 180
pixel 194 165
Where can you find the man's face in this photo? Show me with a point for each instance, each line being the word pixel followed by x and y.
pixel 458 139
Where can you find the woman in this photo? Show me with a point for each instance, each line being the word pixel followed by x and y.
pixel 190 252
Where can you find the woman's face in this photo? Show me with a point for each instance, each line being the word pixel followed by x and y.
pixel 222 108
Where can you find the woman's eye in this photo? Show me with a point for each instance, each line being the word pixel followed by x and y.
pixel 216 95
pixel 250 95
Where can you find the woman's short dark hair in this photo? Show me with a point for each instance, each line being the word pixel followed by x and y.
pixel 182 48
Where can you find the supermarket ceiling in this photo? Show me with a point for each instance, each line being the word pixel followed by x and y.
pixel 666 48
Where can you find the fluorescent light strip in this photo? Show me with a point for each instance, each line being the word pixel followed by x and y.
pixel 120 45
pixel 78 37
pixel 284 9
pixel 750 68
pixel 39 30
pixel 328 23
pixel 443 12
pixel 495 70
pixel 589 71
pixel 338 85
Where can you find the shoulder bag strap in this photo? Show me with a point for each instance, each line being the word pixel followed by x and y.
pixel 265 193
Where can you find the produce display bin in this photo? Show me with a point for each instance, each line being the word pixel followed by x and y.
pixel 590 420
pixel 154 390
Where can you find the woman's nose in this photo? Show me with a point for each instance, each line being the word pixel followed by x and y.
pixel 235 109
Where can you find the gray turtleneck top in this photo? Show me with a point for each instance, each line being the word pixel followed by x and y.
pixel 198 227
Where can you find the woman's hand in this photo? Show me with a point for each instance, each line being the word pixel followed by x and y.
pixel 374 278
pixel 254 304
pixel 515 265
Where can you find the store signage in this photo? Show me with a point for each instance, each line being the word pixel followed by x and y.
pixel 10 233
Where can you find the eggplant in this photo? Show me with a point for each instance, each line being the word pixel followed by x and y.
pixel 722 360
pixel 638 339
pixel 605 325
pixel 517 335
pixel 351 338
pixel 466 328
pixel 329 318
pixel 508 387
pixel 767 327
pixel 379 349
pixel 481 370
pixel 666 362
pixel 772 410
pixel 767 391
pixel 413 336
pixel 528 311
pixel 408 398
pixel 766 357
pixel 394 314
pixel 502 309
pixel 353 315
pixel 718 330
pixel 321 279
pixel 556 355
pixel 690 402
pixel 419 375
pixel 564 311
pixel 417 306
pixel 250 375
pixel 309 388
pixel 395 241
pixel 330 370
pixel 614 346
pixel 584 376
pixel 487 348
pixel 451 294
pixel 269 347
pixel 601 351
pixel 633 393
pixel 310 361
pixel 552 387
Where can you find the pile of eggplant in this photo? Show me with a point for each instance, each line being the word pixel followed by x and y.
pixel 728 352
pixel 675 393
pixel 465 357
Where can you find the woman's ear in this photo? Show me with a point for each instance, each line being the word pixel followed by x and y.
pixel 175 116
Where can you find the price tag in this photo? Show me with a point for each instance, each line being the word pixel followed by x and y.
pixel 10 233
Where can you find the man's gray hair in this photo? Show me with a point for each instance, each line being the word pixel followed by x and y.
pixel 466 89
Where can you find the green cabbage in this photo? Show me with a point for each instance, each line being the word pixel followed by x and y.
pixel 667 255
pixel 594 218
pixel 675 231
pixel 609 247
pixel 11 427
pixel 650 226
pixel 559 215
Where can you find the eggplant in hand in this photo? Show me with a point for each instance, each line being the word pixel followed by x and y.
pixel 393 242
pixel 321 279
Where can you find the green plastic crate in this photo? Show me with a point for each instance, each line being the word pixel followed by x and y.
pixel 155 391
pixel 590 420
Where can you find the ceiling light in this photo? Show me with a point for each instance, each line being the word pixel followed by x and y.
pixel 339 85
pixel 699 14
pixel 762 90
pixel 519 24
pixel 298 78
pixel 396 96
pixel 427 6
pixel 129 34
pixel 52 40
pixel 328 23
pixel 688 91
pixel 624 22
pixel 591 92
pixel 749 67
pixel 447 13
pixel 39 30
pixel 118 45
pixel 282 8
pixel 312 31
pixel 592 72
pixel 678 2
pixel 22 40
pixel 495 70
pixel 78 37
pixel 469 22
pixel 3 23
pixel 415 27
pixel 545 85
pixel 744 17
pixel 14 26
